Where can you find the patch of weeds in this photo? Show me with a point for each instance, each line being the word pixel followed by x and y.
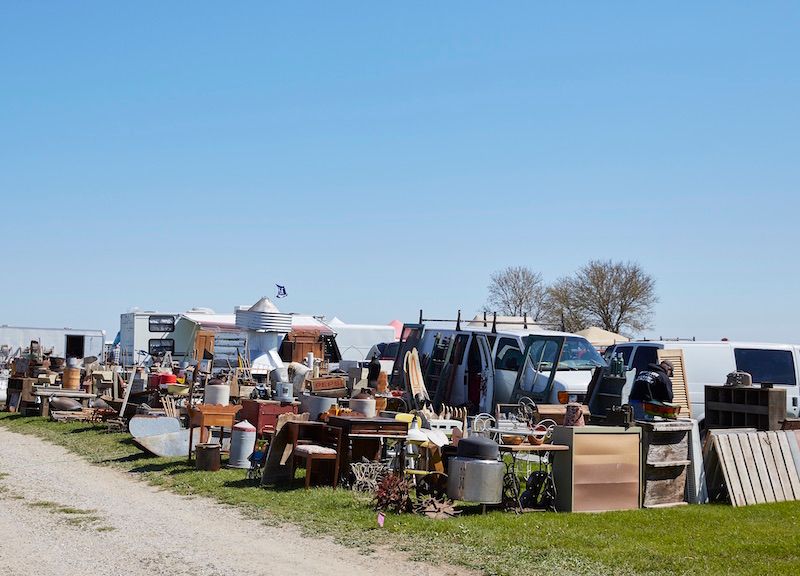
pixel 104 529
pixel 82 520
pixel 44 504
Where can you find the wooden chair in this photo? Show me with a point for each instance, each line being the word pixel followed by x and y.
pixel 315 441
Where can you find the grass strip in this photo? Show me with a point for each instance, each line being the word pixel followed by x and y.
pixel 710 539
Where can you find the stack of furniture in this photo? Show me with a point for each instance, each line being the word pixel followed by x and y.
pixel 665 462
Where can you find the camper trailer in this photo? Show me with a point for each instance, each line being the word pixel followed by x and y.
pixel 154 333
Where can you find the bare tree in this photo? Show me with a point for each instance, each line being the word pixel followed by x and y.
pixel 562 309
pixel 517 290
pixel 616 296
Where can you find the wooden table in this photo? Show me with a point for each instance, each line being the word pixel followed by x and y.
pixel 365 437
pixel 47 394
pixel 544 495
pixel 208 415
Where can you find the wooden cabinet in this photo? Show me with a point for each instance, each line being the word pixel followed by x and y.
pixel 601 471
pixel 665 462
pixel 263 414
pixel 745 407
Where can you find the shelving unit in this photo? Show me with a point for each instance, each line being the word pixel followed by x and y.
pixel 665 462
pixel 745 407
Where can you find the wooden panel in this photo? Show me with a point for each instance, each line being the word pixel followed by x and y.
pixel 723 447
pixel 761 466
pixel 791 469
pixel 752 468
pixel 203 345
pixel 742 469
pixel 680 387
pixel 772 470
pixel 780 464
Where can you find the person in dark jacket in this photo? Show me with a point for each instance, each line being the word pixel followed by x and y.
pixel 651 384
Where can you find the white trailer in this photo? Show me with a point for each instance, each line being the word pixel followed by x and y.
pixel 142 333
pixel 64 342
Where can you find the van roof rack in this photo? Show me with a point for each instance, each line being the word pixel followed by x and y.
pixel 524 322
pixel 676 339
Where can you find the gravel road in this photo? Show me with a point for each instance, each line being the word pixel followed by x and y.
pixel 62 516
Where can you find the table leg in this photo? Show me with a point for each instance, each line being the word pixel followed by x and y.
pixel 191 436
pixel 511 487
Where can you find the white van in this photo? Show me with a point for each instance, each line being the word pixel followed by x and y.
pixel 708 364
pixel 477 367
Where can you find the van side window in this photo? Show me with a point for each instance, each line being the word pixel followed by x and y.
pixel 773 366
pixel 644 355
pixel 625 351
pixel 509 356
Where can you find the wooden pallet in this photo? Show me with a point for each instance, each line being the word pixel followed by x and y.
pixel 753 467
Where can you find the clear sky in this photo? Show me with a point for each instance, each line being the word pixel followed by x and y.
pixel 378 158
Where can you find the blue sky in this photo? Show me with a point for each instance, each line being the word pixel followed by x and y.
pixel 377 159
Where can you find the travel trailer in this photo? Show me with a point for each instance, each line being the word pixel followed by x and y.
pixel 709 363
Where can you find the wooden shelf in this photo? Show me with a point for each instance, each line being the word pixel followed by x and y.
pixel 740 407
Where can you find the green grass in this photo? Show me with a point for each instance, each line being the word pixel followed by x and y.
pixel 712 539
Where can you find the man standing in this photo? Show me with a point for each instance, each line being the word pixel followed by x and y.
pixel 651 384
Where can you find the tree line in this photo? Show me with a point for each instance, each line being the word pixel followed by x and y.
pixel 616 296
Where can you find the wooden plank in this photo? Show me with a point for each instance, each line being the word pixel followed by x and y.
pixel 723 447
pixel 772 469
pixel 761 466
pixel 792 436
pixel 680 387
pixel 780 464
pixel 788 459
pixel 752 468
pixel 742 470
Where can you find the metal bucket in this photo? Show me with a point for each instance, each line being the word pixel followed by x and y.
pixel 315 405
pixel 474 480
pixel 217 394
pixel 243 440
pixel 207 457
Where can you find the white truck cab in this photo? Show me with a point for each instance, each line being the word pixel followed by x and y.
pixel 708 364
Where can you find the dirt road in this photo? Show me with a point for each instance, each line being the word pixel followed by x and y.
pixel 61 516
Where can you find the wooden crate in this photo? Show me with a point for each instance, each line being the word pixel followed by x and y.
pixel 665 462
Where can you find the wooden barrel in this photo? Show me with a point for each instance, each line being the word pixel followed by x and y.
pixel 207 457
pixel 71 379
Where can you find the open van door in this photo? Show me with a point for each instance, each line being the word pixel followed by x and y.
pixel 409 338
pixel 487 375
pixel 538 371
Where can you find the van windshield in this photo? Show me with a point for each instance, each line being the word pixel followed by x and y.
pixel 579 354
